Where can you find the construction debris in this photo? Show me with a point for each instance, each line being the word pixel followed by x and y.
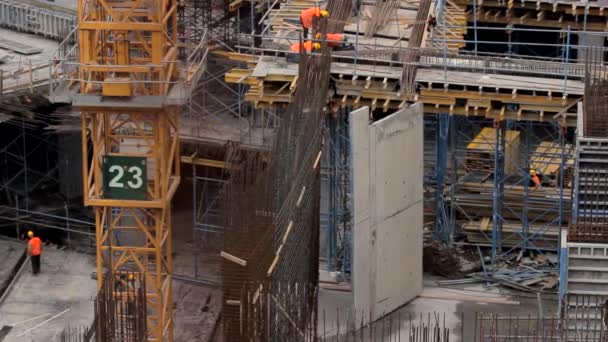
pixel 452 263
pixel 537 274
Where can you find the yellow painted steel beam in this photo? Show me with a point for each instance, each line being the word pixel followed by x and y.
pixel 206 162
pixel 97 26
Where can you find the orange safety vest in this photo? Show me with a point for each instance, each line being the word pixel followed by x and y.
pixel 35 246
pixel 307 15
pixel 536 181
pixel 296 47
pixel 336 37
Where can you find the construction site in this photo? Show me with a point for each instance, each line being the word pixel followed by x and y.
pixel 303 170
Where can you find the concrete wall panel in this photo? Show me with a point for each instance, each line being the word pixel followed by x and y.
pixel 359 137
pixel 387 205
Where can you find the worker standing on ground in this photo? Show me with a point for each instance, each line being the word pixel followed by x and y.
pixel 535 179
pixel 308 15
pixel 308 46
pixel 34 250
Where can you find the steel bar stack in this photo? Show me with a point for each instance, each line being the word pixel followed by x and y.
pixel 339 11
pixel 412 55
pixel 381 14
pixel 595 124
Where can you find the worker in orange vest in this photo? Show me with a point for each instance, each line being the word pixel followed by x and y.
pixel 308 46
pixel 34 250
pixel 535 179
pixel 336 40
pixel 307 16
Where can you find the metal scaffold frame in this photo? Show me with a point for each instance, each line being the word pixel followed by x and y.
pixel 336 216
pixel 23 176
pixel 518 218
pixel 510 199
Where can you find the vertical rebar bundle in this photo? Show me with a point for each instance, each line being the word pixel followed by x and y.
pixel 120 308
pixel 382 12
pixel 270 208
pixel 339 12
pixel 595 117
pixel 71 334
pixel 412 54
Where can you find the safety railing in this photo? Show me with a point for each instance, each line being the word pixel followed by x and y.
pixel 62 64
pixel 196 61
pixel 26 77
pixel 436 58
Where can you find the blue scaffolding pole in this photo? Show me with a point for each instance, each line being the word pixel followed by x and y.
pixel 525 224
pixel 498 191
pixel 335 210
pixel 443 220
pixel 563 250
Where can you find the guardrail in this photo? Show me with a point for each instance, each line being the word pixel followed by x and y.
pixel 23 79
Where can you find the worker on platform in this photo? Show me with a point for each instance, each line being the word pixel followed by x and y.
pixel 535 179
pixel 308 46
pixel 308 15
pixel 34 250
pixel 338 41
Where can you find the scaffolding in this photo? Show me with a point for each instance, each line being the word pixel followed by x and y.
pixel 336 215
pixel 489 196
pixel 468 81
pixel 37 188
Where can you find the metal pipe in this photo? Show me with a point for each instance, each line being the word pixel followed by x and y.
pixel 475 24
pixel 49 226
pixel 46 215
pixel 567 53
pixel 194 240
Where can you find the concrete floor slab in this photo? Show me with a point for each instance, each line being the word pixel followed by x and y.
pixel 64 284
pixel 457 304
pixel 196 308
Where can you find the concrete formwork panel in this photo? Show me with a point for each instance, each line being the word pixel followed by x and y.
pixel 387 204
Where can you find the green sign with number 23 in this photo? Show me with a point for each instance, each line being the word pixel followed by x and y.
pixel 125 177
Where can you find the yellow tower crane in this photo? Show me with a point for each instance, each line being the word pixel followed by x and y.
pixel 120 69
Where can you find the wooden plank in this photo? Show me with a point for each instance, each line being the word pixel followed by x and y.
pixel 21 48
pixel 233 258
